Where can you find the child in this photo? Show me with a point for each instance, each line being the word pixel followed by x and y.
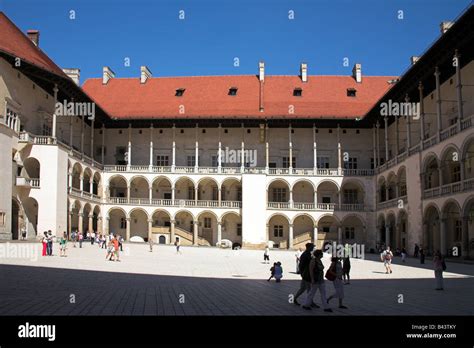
pixel 278 272
pixel 272 271
pixel 266 255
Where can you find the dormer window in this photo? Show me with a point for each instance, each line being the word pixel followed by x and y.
pixel 351 92
pixel 180 92
pixel 297 92
pixel 232 91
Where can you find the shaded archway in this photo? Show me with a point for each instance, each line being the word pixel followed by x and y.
pixel 353 230
pixel 380 231
pixel 231 225
pixel 161 225
pixel 303 230
pixel 208 190
pixel 353 194
pixel 184 227
pixel 17 219
pixel 162 188
pixel 328 195
pixel 392 186
pixel 117 222
pixel 76 176
pixel 431 172
pixel 402 229
pixel 278 231
pixel 118 187
pixel 231 190
pixel 431 240
pixel 139 188
pixel 402 181
pixel 207 228
pixel 303 191
pixel 468 228
pixel 96 184
pixel 139 223
pixel 87 179
pixel 468 159
pixel 31 168
pixel 328 227
pixel 451 165
pixel 451 218
pixel 185 189
pixel 278 191
pixel 381 189
pixel 391 224
pixel 31 208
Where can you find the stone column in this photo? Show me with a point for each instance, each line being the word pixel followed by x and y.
pixel 315 236
pixel 150 193
pixel 127 232
pixel 219 231
pixel 339 158
pixel 172 236
pixel 219 153
pixel 196 154
pixel 290 201
pixel 69 179
pixel 81 183
pixel 339 234
pixel 128 193
pixel 100 229
pixel 442 237
pixel 150 229
pixel 290 236
pixel 129 157
pixel 422 113
pixel 438 104
pixel 397 235
pixel 195 235
pixel 92 140
pixel 173 193
pixel 69 230
pixel 91 224
pixel 91 184
pixel 55 90
pixel 81 223
pixel 407 100
pixel 106 225
pixel 173 162
pixel 219 196
pixel 457 56
pixel 242 154
pixel 151 150
pixel 315 152
pixel 385 119
pixel 196 194
pixel 315 198
pixel 387 235
pixel 290 151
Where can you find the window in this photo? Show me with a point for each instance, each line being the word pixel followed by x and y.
pixel 278 231
pixel 207 222
pixel 297 92
pixel 232 91
pixel 326 230
pixel 162 161
pixel 286 162
pixel 350 196
pixel 191 160
pixel 326 199
pixel 456 173
pixel 120 158
pixel 191 192
pixel 239 229
pixel 323 162
pixel 214 161
pixel 351 163
pixel 350 232
pixel 12 119
pixel 46 129
pixel 123 223
pixel 272 165
pixel 351 92
pixel 179 92
pixel 458 230
pixel 403 189
pixel 279 195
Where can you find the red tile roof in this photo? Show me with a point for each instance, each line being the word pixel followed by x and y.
pixel 14 42
pixel 207 96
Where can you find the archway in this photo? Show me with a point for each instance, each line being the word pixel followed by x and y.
pixel 451 214
pixel 431 240
pixel 184 189
pixel 139 223
pixel 382 190
pixel 278 192
pixel 161 224
pixel 303 230
pixel 184 227
pixel 402 229
pixel 402 182
pixel 303 192
pixel 231 190
pixel 232 227
pixel 392 186
pixel 207 228
pixel 117 222
pixel 468 159
pixel 352 194
pixel 117 187
pixel 31 168
pixel 451 165
pixel 327 231
pixel 278 231
pixel 353 230
pixel 208 190
pixel 392 229
pixel 431 175
pixel 30 206
pixel 96 185
pixel 162 188
pixel 139 188
pixel 76 176
pixel 87 178
pixel 17 218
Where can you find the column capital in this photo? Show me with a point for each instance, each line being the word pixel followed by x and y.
pixel 128 219
pixel 150 221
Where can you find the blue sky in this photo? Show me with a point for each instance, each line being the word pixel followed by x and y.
pixel 214 32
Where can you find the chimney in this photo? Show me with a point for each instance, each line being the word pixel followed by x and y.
pixel 74 74
pixel 107 74
pixel 261 71
pixel 304 72
pixel 445 25
pixel 414 59
pixel 34 36
pixel 357 72
pixel 145 74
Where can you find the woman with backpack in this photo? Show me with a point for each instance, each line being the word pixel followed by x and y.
pixel 439 268
pixel 336 269
pixel 387 257
pixel 316 272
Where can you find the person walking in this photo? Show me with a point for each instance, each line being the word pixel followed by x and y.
pixel 439 267
pixel 150 242
pixel 110 251
pixel 422 256
pixel 404 255
pixel 177 245
pixel 346 269
pixel 81 238
pixel 266 255
pixel 305 284
pixel 44 241
pixel 336 268
pixel 92 237
pixel 73 238
pixel 316 272
pixel 50 243
pixel 120 242
pixel 272 272
pixel 298 255
pixel 62 245
pixel 387 257
pixel 417 250
pixel 116 243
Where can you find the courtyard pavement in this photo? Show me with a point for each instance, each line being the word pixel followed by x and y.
pixel 211 281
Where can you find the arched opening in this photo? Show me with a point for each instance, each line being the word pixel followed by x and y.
pixel 382 190
pixel 352 194
pixel 468 159
pixel 278 192
pixel 76 176
pixel 231 190
pixel 139 188
pixel 118 187
pixel 87 218
pixel 74 215
pixel 303 230
pixel 431 240
pixel 327 231
pixel 184 189
pixel 31 168
pixel 162 240
pixel 391 224
pixel 453 226
pixel 208 190
pixel 303 192
pixel 328 195
pixel 431 175
pixel 117 222
pixel 232 228
pixel 139 224
pixel 95 220
pixel 161 224
pixel 17 219
pixel 87 178
pixel 468 228
pixel 184 227
pixel 207 229
pixel 402 229
pixel 30 207
pixel 96 184
pixel 353 230
pixel 392 186
pixel 380 232
pixel 451 165
pixel 402 182
pixel 278 231
pixel 161 189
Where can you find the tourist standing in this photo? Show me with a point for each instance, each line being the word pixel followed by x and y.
pixel 439 267
pixel 298 255
pixel 116 244
pixel 305 284
pixel 120 242
pixel 177 245
pixel 417 250
pixel 44 241
pixel 73 238
pixel 278 272
pixel 422 256
pixel 387 257
pixel 110 250
pixel 266 255
pixel 404 255
pixel 81 238
pixel 92 237
pixel 23 233
pixel 346 269
pixel 316 272
pixel 337 282
pixel 62 244
pixel 150 242
pixel 50 243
